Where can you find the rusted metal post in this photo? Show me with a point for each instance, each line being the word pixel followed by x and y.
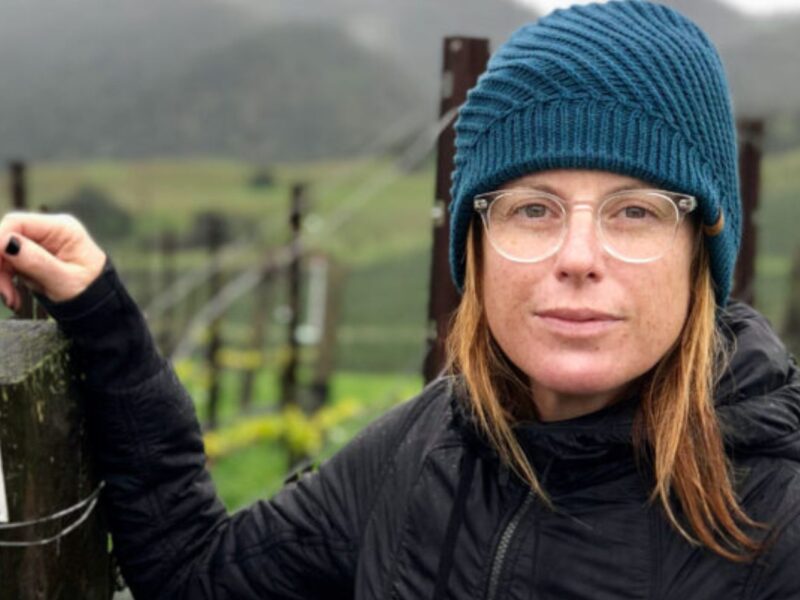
pixel 19 201
pixel 464 60
pixel 751 137
pixel 289 374
pixel 215 236
pixel 53 543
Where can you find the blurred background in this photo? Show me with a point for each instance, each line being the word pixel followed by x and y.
pixel 262 174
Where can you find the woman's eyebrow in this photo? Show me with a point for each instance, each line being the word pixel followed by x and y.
pixel 535 185
pixel 551 190
pixel 630 186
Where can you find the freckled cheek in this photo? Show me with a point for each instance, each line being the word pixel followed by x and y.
pixel 502 309
pixel 504 288
pixel 507 300
pixel 663 305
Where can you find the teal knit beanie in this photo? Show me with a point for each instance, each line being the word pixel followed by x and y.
pixel 628 86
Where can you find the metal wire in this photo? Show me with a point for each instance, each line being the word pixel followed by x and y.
pixel 88 504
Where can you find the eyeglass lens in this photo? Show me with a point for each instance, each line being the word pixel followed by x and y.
pixel 637 226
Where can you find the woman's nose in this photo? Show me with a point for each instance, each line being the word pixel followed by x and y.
pixel 580 254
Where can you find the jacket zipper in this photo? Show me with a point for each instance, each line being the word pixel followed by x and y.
pixel 503 544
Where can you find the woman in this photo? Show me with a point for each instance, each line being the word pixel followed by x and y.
pixel 613 428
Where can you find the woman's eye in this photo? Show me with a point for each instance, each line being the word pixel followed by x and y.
pixel 532 211
pixel 635 212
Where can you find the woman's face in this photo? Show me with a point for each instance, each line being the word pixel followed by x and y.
pixel 582 324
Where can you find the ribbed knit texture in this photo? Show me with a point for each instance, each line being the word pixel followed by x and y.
pixel 628 86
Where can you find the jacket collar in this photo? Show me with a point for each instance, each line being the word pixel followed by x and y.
pixel 757 401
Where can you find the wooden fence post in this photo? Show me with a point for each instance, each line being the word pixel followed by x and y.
pixel 464 60
pixel 46 471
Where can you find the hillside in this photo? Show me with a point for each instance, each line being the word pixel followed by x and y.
pixel 66 66
pixel 152 77
pixel 277 80
pixel 286 93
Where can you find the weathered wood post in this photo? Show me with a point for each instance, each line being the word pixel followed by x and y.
pixel 53 544
pixel 464 60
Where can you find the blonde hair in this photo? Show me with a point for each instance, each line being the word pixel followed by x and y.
pixel 675 427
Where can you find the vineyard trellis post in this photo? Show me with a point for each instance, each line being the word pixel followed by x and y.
pixel 751 137
pixel 215 235
pixel 465 59
pixel 289 372
pixel 53 542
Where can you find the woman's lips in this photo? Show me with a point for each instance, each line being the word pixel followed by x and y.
pixel 578 322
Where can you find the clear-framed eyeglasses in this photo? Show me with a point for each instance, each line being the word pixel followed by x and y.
pixel 635 226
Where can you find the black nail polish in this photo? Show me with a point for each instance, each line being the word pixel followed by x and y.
pixel 13 246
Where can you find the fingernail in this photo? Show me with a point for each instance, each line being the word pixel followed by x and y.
pixel 13 246
pixel 3 296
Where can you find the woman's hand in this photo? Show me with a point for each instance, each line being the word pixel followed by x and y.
pixel 53 255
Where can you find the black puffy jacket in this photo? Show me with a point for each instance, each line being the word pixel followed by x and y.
pixel 416 506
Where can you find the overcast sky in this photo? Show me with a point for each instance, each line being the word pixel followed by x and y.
pixel 755 7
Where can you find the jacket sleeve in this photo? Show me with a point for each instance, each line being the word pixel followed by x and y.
pixel 171 534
